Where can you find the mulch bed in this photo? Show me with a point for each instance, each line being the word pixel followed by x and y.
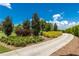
pixel 71 49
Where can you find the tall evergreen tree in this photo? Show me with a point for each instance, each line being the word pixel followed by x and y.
pixel 7 26
pixel 55 27
pixel 35 24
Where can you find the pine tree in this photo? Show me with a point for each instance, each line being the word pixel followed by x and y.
pixel 55 27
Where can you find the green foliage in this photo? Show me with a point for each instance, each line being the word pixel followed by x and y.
pixel 35 24
pixel 0 27
pixel 73 30
pixel 3 49
pixel 42 25
pixel 55 27
pixel 47 27
pixel 7 26
pixel 20 41
pixel 26 24
pixel 52 34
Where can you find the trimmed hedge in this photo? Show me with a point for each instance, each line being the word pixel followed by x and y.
pixel 52 34
pixel 19 41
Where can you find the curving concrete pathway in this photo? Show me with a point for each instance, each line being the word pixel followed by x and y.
pixel 42 49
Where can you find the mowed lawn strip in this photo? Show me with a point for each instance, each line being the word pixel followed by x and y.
pixel 3 49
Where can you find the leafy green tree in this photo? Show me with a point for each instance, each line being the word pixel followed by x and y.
pixel 55 27
pixel 42 25
pixel 47 27
pixel 7 26
pixel 35 24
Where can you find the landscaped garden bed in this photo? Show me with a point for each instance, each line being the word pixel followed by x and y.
pixel 27 33
pixel 20 41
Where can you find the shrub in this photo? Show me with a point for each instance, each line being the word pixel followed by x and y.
pixel 52 34
pixel 26 27
pixel 22 32
pixel 20 41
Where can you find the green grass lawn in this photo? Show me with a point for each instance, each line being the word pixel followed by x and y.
pixel 3 49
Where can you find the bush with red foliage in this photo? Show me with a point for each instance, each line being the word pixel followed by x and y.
pixel 22 32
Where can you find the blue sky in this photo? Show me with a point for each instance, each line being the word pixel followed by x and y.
pixel 65 15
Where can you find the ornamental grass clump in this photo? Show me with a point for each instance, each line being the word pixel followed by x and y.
pixel 20 41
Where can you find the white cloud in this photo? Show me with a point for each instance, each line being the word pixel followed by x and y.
pixel 8 5
pixel 64 23
pixel 72 23
pixel 56 17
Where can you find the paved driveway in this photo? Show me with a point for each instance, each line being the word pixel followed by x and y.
pixel 42 49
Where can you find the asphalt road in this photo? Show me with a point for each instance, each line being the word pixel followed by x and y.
pixel 42 49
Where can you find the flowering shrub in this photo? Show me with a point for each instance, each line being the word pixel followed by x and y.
pixel 52 34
